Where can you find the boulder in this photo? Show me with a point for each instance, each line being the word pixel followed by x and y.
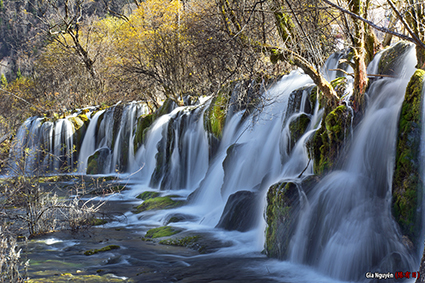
pixel 240 212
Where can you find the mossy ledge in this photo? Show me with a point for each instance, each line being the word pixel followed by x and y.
pixel 407 184
pixel 104 249
pixel 148 195
pixel 164 231
pixel 327 143
pixel 281 213
pixel 158 203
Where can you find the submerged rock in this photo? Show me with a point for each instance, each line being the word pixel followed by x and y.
pixel 407 182
pixel 177 217
pixel 164 231
pixel 159 203
pixel 239 212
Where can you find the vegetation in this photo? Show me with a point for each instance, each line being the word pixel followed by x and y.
pixel 104 249
pixel 148 195
pixel 158 203
pixel 160 232
pixel 407 182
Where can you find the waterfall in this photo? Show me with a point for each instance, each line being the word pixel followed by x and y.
pixel 345 227
pixel 89 143
pixel 250 150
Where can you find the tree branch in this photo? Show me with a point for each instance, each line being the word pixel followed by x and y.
pixel 380 28
pixel 406 25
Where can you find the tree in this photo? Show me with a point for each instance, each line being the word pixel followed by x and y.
pixel 172 50
pixel 411 18
pixel 297 37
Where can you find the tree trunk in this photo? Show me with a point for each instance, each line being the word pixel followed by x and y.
pixel 358 7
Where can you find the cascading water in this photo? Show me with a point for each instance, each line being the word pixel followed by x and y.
pixel 345 228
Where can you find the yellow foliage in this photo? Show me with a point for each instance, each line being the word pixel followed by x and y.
pixel 154 20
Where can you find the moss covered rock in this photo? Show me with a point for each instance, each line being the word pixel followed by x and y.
pixel 143 126
pixel 407 183
pixel 164 231
pixel 158 203
pixel 96 161
pixel 327 143
pixel 297 128
pixel 166 108
pixel 393 57
pixel 148 195
pixel 215 116
pixel 104 249
pixel 281 217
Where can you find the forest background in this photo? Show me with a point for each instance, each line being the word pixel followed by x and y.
pixel 58 55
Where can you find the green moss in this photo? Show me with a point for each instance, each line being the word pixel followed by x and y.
pixel 148 195
pixel 92 164
pixel 98 222
pixel 158 203
pixel 327 142
pixel 182 242
pixel 104 249
pixel 143 126
pixel 392 57
pixel 166 108
pixel 280 218
pixel 215 116
pixel 164 231
pixel 407 183
pixel 298 127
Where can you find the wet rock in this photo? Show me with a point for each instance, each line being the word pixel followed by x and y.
pixel 296 103
pixel 328 141
pixel 407 183
pixel 159 203
pixel 297 128
pixel 96 161
pixel 178 217
pixel 393 57
pixel 239 212
pixel 281 217
pixel 143 126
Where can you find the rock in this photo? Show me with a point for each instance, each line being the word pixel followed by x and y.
pixel 297 128
pixel 295 101
pixel 407 183
pixel 328 141
pixel 215 115
pixel 281 217
pixel 168 106
pixel 147 195
pixel 177 217
pixel 393 57
pixel 158 203
pixel 96 161
pixel 239 212
pixel 143 125
pixel 164 231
